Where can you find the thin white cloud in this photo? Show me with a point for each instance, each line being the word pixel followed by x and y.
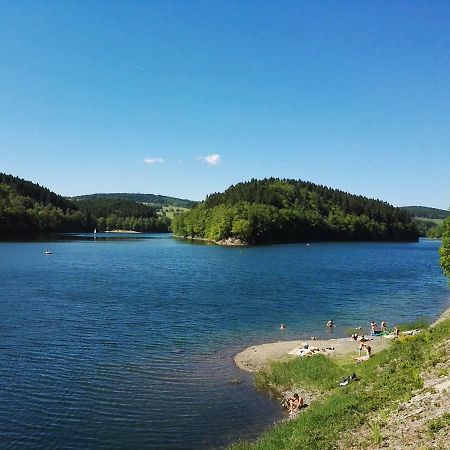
pixel 213 160
pixel 153 160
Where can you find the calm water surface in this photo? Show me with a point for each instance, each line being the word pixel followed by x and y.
pixel 129 343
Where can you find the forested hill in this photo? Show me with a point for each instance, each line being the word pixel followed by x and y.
pixel 429 220
pixel 275 211
pixel 116 213
pixel 160 200
pixel 35 192
pixel 28 208
pixel 427 212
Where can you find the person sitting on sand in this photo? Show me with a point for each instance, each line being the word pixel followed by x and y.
pixel 330 324
pixel 355 336
pixel 383 326
pixel 295 403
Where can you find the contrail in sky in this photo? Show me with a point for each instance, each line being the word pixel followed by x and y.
pixel 128 63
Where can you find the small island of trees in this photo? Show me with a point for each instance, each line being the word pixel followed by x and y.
pixel 276 211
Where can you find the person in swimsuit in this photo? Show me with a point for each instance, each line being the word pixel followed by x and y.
pixel 294 403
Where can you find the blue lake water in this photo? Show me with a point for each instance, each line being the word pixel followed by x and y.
pixel 126 343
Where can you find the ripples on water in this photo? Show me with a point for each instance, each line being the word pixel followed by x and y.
pixel 128 343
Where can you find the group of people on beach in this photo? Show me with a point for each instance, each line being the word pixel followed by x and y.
pixel 375 331
pixel 296 402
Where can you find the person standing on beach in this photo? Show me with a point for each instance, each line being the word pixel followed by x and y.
pixel 360 347
pixel 383 326
pixel 373 327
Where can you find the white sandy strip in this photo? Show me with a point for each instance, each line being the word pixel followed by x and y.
pixel 257 357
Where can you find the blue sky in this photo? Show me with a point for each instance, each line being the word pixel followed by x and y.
pixel 185 98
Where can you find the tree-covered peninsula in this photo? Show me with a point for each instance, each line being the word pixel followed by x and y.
pixel 276 211
pixel 27 208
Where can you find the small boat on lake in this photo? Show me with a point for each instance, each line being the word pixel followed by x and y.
pixel 48 252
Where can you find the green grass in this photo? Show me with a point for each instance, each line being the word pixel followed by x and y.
pixel 424 219
pixel 438 424
pixel 317 372
pixel 386 379
pixel 170 211
pixel 419 324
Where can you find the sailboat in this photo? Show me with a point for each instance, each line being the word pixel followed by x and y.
pixel 95 230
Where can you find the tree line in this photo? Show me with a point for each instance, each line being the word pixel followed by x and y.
pixel 27 208
pixel 445 249
pixel 275 211
pixel 427 212
pixel 152 199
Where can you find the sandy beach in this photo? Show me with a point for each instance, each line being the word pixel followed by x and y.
pixel 122 231
pixel 256 357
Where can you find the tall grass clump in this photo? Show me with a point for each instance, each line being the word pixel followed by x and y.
pixel 316 372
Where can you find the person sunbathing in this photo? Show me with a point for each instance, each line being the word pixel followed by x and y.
pixel 294 403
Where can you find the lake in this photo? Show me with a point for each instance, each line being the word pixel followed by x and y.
pixel 127 342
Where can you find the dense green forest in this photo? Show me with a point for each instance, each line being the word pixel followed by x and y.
pixel 27 208
pixel 275 211
pixel 117 213
pixel 431 228
pixel 427 212
pixel 445 249
pixel 428 220
pixel 152 199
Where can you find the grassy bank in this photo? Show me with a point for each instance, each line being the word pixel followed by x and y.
pixel 387 379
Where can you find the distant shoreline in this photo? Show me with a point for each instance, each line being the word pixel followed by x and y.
pixel 122 231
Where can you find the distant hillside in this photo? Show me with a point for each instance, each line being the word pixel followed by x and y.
pixel 35 192
pixel 104 207
pixel 112 213
pixel 160 200
pixel 274 210
pixel 27 207
pixel 429 220
pixel 426 212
